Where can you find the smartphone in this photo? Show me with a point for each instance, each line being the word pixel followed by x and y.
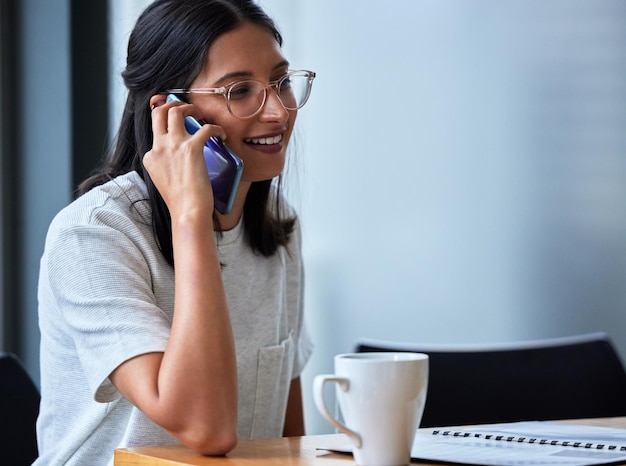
pixel 224 166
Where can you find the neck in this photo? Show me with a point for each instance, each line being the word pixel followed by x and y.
pixel 230 220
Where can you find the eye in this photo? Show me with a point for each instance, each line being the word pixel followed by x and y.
pixel 242 90
pixel 285 84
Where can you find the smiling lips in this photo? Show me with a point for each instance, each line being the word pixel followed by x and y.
pixel 265 141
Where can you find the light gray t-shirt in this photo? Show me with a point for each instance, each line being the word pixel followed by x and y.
pixel 106 294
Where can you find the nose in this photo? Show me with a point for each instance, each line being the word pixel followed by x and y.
pixel 273 108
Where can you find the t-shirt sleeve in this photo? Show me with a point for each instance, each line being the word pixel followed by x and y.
pixel 101 283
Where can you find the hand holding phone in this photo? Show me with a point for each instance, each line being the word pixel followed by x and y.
pixel 224 167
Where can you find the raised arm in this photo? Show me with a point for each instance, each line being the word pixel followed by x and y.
pixel 191 388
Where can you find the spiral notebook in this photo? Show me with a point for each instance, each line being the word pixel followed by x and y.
pixel 545 433
pixel 521 443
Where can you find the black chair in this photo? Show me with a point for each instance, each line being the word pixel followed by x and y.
pixel 19 407
pixel 561 378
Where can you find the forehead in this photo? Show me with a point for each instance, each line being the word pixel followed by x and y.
pixel 248 48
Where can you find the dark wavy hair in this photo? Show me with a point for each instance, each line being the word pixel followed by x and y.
pixel 167 49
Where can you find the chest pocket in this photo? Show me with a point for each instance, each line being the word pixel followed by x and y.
pixel 274 375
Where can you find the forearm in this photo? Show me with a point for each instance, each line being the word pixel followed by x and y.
pixel 190 389
pixel 197 383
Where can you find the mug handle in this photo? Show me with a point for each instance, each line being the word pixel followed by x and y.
pixel 318 395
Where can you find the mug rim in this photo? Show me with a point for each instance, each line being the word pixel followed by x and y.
pixel 382 356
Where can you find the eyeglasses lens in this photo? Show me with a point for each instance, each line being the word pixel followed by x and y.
pixel 247 97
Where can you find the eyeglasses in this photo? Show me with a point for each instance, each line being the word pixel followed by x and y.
pixel 245 99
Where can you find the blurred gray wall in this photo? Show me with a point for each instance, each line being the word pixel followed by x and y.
pixel 463 169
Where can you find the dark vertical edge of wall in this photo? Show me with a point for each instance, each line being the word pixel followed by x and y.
pixel 90 85
pixel 11 223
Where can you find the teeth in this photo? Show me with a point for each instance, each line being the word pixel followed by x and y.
pixel 272 140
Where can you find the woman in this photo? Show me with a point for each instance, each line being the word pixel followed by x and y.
pixel 162 319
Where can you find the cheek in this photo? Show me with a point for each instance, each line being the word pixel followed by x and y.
pixel 234 138
pixel 213 110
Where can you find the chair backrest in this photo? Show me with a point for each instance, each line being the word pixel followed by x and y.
pixel 561 378
pixel 19 407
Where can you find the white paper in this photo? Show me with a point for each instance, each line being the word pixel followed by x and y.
pixel 480 451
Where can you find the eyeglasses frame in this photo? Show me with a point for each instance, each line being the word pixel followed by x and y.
pixel 275 85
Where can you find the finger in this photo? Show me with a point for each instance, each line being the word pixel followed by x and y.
pixel 209 130
pixel 176 119
pixel 159 115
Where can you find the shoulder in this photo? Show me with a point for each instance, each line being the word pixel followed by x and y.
pixel 123 196
pixel 117 210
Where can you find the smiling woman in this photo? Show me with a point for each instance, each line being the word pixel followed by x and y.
pixel 162 319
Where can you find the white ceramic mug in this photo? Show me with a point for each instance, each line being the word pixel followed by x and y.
pixel 381 397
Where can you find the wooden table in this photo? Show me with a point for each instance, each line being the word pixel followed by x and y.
pixel 292 451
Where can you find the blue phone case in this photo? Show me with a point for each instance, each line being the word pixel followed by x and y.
pixel 224 166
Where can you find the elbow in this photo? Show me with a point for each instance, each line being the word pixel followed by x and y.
pixel 210 432
pixel 210 442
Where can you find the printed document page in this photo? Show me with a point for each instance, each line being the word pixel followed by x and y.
pixel 519 443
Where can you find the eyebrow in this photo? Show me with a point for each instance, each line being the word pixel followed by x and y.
pixel 247 74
